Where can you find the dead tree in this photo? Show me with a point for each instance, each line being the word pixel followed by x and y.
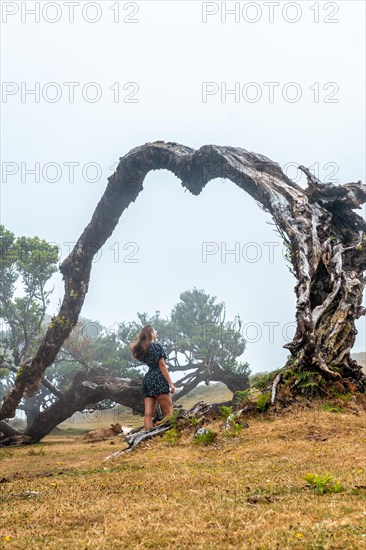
pixel 325 237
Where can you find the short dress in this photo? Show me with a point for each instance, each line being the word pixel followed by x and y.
pixel 154 382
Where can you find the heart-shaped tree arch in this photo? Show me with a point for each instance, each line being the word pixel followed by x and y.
pixel 325 237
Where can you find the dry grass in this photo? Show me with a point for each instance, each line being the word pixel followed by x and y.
pixel 244 491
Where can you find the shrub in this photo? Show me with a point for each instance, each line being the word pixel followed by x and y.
pixel 263 401
pixel 171 436
pixel 193 420
pixel 225 411
pixel 242 395
pixel 323 483
pixel 206 438
pixel 260 380
pixel 173 417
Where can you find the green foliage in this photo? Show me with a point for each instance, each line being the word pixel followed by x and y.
pixel 332 408
pixel 197 329
pixel 323 483
pixel 234 431
pixel 310 382
pixel 171 436
pixel 242 395
pixel 225 411
pixel 238 428
pixel 307 381
pixel 19 373
pixel 206 438
pixel 308 378
pixel 263 401
pixel 193 420
pixel 28 262
pixel 261 380
pixel 173 418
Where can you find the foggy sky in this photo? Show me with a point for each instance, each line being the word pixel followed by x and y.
pixel 163 60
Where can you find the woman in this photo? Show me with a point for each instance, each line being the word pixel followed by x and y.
pixel 156 382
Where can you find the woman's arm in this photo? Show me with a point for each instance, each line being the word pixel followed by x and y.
pixel 165 372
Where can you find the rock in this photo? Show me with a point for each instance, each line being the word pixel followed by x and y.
pixel 201 431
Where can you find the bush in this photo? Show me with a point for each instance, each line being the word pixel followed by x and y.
pixel 225 411
pixel 262 379
pixel 171 436
pixel 206 438
pixel 263 401
pixel 323 483
pixel 242 395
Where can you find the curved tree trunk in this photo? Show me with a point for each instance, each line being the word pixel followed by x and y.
pixel 327 240
pixel 88 388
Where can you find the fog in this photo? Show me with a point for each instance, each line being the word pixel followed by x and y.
pixel 283 79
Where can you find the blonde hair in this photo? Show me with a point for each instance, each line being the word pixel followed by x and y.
pixel 139 346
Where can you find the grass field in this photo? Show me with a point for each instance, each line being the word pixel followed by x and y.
pixel 245 490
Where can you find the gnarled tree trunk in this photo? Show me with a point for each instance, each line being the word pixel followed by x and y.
pixel 329 256
pixel 326 237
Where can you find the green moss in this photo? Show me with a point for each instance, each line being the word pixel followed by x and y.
pixel 19 374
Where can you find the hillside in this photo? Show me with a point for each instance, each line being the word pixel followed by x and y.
pixel 247 490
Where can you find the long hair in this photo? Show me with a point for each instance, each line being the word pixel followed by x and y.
pixel 140 345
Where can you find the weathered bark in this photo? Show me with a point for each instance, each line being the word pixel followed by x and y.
pixel 32 407
pixel 327 240
pixel 33 404
pixel 329 258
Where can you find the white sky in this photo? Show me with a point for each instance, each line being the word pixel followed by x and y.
pixel 169 52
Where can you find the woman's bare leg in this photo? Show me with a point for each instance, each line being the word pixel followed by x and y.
pixel 149 405
pixel 165 402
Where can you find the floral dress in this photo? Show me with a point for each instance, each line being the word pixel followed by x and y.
pixel 154 382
